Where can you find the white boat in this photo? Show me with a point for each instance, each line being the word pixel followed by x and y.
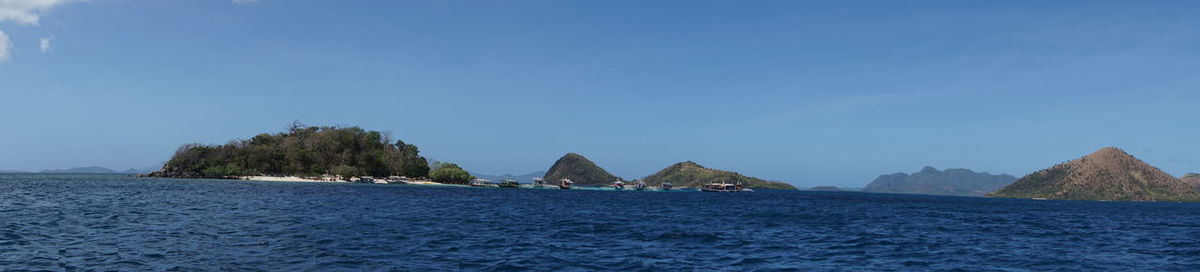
pixel 724 188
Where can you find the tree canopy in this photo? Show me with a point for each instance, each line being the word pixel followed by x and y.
pixel 450 173
pixel 301 151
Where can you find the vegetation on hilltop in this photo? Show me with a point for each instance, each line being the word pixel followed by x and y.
pixel 690 174
pixel 300 151
pixel 580 170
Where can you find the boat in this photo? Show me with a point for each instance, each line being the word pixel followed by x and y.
pixel 541 183
pixel 639 185
pixel 481 183
pixel 509 183
pixel 724 188
pixel 365 180
pixel 666 186
pixel 565 183
pixel 619 185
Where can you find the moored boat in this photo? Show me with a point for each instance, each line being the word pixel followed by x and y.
pixel 639 185
pixel 619 185
pixel 666 186
pixel 565 183
pixel 509 183
pixel 724 188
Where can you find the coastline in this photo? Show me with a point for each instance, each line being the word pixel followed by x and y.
pixel 286 179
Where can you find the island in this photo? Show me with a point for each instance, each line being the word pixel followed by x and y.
pixel 693 175
pixel 1107 174
pixel 930 181
pixel 580 170
pixel 306 153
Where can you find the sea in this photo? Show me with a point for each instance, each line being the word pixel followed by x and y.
pixel 61 222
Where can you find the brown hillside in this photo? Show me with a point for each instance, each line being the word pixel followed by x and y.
pixel 1107 174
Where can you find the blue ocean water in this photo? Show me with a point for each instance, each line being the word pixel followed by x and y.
pixel 109 222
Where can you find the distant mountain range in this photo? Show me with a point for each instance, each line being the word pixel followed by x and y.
pixel 691 174
pixel 88 170
pixel 929 180
pixel 1107 174
pixel 526 178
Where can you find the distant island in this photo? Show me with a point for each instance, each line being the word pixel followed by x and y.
pixel 520 178
pixel 303 151
pixel 691 174
pixel 827 189
pixel 960 182
pixel 1107 174
pixel 85 170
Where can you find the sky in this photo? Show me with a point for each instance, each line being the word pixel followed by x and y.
pixel 806 92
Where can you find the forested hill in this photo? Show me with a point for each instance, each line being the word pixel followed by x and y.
pixel 300 151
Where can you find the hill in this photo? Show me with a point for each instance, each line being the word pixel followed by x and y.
pixel 930 181
pixel 1107 174
pixel 1193 180
pixel 526 178
pixel 691 174
pixel 580 170
pixel 300 151
pixel 826 189
pixel 81 170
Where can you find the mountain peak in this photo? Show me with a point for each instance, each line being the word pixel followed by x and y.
pixel 1109 153
pixel 929 169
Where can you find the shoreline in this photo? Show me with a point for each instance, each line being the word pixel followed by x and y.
pixel 286 179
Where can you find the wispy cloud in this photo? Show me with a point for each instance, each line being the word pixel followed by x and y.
pixel 26 12
pixel 5 45
pixel 239 2
pixel 44 45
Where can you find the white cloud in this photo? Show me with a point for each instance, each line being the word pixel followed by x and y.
pixel 239 2
pixel 5 44
pixel 44 44
pixel 26 12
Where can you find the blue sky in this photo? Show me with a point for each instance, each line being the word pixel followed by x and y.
pixel 810 93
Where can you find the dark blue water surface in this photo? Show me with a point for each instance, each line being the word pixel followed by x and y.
pixel 106 222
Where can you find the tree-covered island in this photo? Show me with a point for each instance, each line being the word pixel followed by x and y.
pixel 305 151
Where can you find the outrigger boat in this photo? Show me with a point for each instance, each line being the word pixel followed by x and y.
pixel 481 183
pixel 639 185
pixel 509 183
pixel 724 188
pixel 619 185
pixel 565 183
pixel 541 183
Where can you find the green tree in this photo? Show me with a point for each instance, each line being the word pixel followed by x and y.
pixel 450 173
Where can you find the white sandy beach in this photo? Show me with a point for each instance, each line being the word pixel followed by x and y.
pixel 287 178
